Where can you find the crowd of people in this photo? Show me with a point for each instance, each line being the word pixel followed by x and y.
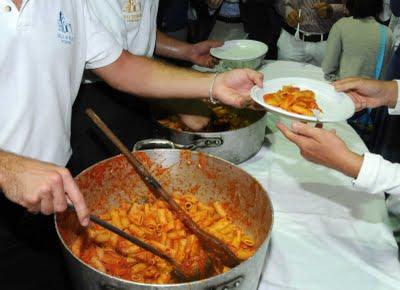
pixel 70 55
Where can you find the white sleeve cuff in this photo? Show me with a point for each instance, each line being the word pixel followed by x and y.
pixel 368 174
pixel 396 109
pixel 378 175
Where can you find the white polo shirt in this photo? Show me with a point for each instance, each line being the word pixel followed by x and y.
pixel 133 23
pixel 44 49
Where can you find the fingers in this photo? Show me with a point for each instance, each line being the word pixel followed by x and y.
pixel 292 19
pixel 243 101
pixel 256 77
pixel 215 43
pixel 58 195
pixel 320 5
pixel 305 130
pixel 291 136
pixel 348 84
pixel 210 62
pixel 255 106
pixel 359 101
pixel 76 197
pixel 46 204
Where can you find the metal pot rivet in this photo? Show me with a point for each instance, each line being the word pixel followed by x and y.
pixel 237 284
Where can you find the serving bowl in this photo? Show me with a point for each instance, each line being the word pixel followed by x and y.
pixel 243 53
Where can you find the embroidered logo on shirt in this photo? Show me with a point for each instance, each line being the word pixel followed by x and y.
pixel 132 10
pixel 65 33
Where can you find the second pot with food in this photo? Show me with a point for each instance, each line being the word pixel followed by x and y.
pixel 234 135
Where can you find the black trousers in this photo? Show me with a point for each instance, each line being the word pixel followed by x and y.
pixel 30 253
pixel 128 116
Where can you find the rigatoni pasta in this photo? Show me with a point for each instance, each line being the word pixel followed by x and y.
pixel 155 224
pixel 292 99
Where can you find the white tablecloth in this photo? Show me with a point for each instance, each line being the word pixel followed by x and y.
pixel 326 236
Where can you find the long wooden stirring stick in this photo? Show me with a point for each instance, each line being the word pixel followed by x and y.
pixel 222 251
pixel 178 271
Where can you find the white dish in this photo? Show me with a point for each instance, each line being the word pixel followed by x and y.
pixel 335 106
pixel 243 49
pixel 243 53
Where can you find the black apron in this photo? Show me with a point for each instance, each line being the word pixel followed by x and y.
pixel 30 252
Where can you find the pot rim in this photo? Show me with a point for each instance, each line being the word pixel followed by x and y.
pixel 211 134
pixel 197 282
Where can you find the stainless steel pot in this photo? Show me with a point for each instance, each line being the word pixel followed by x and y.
pixel 106 183
pixel 235 146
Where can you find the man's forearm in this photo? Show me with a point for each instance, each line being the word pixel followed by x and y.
pixel 146 77
pixel 172 48
pixel 6 160
pixel 2 175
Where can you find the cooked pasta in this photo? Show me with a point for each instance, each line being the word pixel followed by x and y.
pixel 155 224
pixel 292 99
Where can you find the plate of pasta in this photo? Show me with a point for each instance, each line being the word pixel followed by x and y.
pixel 304 99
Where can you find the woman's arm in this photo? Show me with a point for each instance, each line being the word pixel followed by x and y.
pixel 371 172
pixel 378 175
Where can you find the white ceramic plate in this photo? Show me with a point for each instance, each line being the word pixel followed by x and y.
pixel 243 49
pixel 336 107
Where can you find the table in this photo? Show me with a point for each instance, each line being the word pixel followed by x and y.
pixel 326 236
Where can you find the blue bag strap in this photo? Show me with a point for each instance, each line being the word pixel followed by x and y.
pixel 381 55
pixel 366 119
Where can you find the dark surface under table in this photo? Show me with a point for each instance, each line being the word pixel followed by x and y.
pixel 128 116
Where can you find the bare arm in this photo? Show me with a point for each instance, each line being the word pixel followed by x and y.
pixel 146 77
pixel 171 47
pixel 323 147
pixel 149 78
pixel 39 186
pixel 198 53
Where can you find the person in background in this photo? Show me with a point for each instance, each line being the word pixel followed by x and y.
pixel 228 24
pixel 262 23
pixel 385 139
pixel 227 20
pixel 358 45
pixel 393 71
pixel 371 172
pixel 173 18
pixel 306 28
pixel 386 13
pixel 133 23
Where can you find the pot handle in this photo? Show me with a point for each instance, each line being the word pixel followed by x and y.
pixel 231 285
pixel 159 144
pixel 167 144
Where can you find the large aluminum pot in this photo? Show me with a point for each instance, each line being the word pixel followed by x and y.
pixel 235 146
pixel 112 180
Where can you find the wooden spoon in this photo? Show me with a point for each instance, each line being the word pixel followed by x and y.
pixel 221 251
